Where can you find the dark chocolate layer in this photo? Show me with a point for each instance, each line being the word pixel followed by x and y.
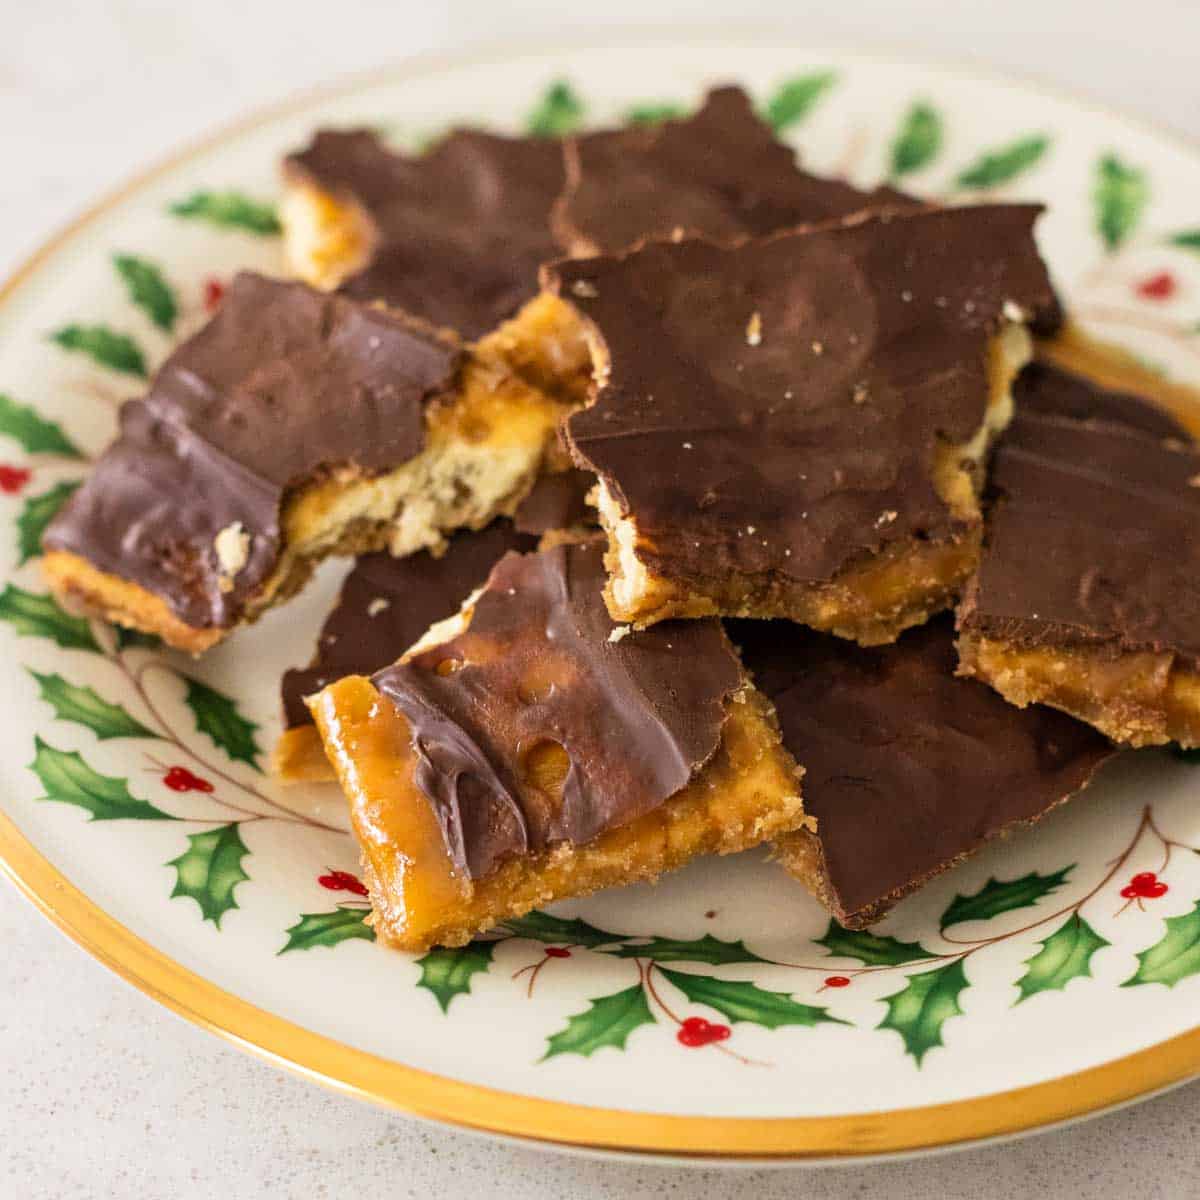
pixel 1093 531
pixel 283 384
pixel 460 230
pixel 907 768
pixel 386 604
pixel 636 717
pixel 719 174
pixel 775 408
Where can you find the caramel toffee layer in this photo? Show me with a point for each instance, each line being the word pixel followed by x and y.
pixel 535 677
pixel 282 385
pixel 1093 533
pixel 459 232
pixel 774 409
pixel 386 603
pixel 719 174
pixel 908 769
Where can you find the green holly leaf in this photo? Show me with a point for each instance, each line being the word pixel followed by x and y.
pixel 328 929
pixel 35 434
pixel 1175 957
pixel 83 706
pixel 217 715
pixel 36 514
pixel 448 973
pixel 870 948
pixel 148 289
pixel 1003 164
pixel 32 615
pixel 1119 196
pixel 707 949
pixel 1065 955
pixel 653 113
pixel 738 1000
pixel 607 1021
pixel 104 346
pixel 1003 895
pixel 210 868
pixel 542 927
pixel 918 141
pixel 793 99
pixel 229 210
pixel 1188 239
pixel 557 113
pixel 69 780
pixel 918 1012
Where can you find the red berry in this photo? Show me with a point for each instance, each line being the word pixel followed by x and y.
pixel 696 1031
pixel 214 292
pixel 1143 878
pixel 557 952
pixel 1157 287
pixel 13 479
pixel 342 881
pixel 180 779
pixel 1129 893
pixel 837 981
pixel 1154 890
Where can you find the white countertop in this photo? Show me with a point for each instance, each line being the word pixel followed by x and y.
pixel 104 1094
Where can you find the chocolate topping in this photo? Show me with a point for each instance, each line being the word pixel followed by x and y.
pixel 459 231
pixel 908 768
pixel 386 604
pixel 284 383
pixel 775 407
pixel 1093 534
pixel 719 174
pixel 535 669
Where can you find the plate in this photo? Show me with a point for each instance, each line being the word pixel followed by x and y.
pixel 1031 986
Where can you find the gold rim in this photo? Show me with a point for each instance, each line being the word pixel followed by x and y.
pixel 367 1076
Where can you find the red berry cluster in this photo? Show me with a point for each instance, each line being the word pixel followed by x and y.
pixel 214 292
pixel 1145 886
pixel 557 952
pixel 696 1031
pixel 13 479
pixel 1157 287
pixel 341 881
pixel 837 981
pixel 180 779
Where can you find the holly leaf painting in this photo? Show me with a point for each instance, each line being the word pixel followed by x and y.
pixel 557 113
pixel 607 1021
pixel 1003 164
pixel 738 1000
pixel 328 929
pixel 706 949
pixel 448 973
pixel 32 615
pixel 1065 955
pixel 148 289
pixel 652 113
pixel 217 715
pixel 918 140
pixel 69 780
pixel 210 868
pixel 33 433
pixel 1176 956
pixel 927 1001
pixel 795 98
pixel 1187 239
pixel 869 948
pixel 1119 196
pixel 1003 895
pixel 84 706
pixel 229 210
pixel 103 345
pixel 36 514
pixel 542 927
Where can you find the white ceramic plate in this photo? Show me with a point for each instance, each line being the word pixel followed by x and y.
pixel 1048 995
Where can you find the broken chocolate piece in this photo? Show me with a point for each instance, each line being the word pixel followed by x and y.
pixel 1086 596
pixel 908 770
pixel 780 428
